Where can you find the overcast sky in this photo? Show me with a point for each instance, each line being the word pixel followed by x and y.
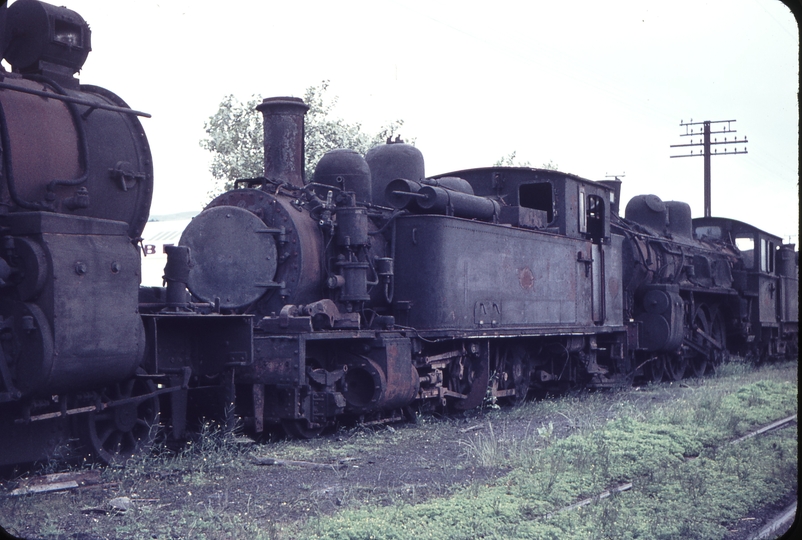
pixel 597 88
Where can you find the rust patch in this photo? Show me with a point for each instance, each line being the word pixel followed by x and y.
pixel 526 278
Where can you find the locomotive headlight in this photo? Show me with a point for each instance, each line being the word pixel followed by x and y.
pixel 41 34
pixel 67 33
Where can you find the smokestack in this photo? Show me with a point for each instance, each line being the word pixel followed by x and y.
pixel 284 138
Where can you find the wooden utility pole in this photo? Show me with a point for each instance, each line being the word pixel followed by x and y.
pixel 706 144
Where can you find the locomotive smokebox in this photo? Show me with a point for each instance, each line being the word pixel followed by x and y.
pixel 284 138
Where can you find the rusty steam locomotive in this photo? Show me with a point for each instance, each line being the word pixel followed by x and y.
pixel 371 287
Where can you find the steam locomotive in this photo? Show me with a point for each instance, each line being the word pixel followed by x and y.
pixel 292 302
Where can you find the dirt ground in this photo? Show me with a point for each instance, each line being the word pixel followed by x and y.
pixel 282 482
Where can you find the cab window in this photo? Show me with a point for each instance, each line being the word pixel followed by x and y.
pixel 746 245
pixel 595 216
pixel 766 256
pixel 538 196
pixel 712 232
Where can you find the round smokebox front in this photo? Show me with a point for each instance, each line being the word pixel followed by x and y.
pixel 232 256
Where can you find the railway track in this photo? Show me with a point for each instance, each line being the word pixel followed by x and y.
pixel 785 422
pixel 775 526
pixel 780 524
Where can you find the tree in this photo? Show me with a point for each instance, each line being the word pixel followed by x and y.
pixel 235 136
pixel 509 161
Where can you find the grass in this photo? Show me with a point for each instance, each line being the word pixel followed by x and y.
pixel 213 457
pixel 687 483
pixel 539 457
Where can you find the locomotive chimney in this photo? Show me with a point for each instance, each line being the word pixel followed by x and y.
pixel 284 138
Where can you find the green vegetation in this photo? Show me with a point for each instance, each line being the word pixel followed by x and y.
pixel 235 135
pixel 510 473
pixel 510 160
pixel 687 482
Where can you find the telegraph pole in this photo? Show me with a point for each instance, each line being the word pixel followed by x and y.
pixel 706 143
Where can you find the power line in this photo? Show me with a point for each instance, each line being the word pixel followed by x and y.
pixel 706 145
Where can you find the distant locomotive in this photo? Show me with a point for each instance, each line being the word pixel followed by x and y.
pixel 359 293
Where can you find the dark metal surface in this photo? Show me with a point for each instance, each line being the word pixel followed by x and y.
pixel 299 244
pixel 390 161
pixel 469 275
pixel 284 138
pixel 346 170
pixel 233 254
pixel 43 33
pixel 70 99
pixel 314 300
pixel 79 327
pixel 207 344
pixel 73 158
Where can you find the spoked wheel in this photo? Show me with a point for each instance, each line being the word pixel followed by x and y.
pixel 676 365
pixel 514 372
pixel 124 430
pixel 301 429
pixel 655 369
pixel 461 375
pixel 521 373
pixel 467 375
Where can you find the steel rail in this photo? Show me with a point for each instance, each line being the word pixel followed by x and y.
pixel 764 429
pixel 775 525
pixel 772 527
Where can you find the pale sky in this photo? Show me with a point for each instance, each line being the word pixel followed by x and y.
pixel 597 88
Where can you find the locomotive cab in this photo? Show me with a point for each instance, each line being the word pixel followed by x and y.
pixel 570 206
